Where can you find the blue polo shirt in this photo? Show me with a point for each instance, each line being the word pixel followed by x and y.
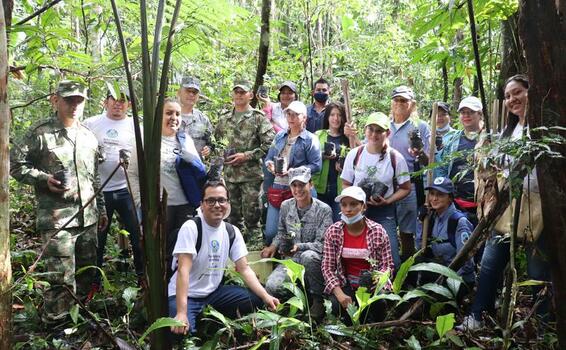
pixel 314 119
pixel 399 138
pixel 445 251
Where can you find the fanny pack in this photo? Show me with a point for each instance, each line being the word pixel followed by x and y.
pixel 276 196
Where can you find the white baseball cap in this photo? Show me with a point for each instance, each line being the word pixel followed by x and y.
pixel 354 192
pixel 297 107
pixel 472 103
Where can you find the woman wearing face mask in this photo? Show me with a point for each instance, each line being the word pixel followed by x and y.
pixel 354 247
pixel 275 111
pixel 181 173
pixel 382 172
pixel 291 148
pixel 333 145
pixel 496 253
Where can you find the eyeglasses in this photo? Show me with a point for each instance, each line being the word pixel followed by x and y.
pixel 239 92
pixel 211 201
pixel 400 100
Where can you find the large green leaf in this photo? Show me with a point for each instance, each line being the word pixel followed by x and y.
pixel 402 274
pixel 160 323
pixel 444 324
pixel 436 268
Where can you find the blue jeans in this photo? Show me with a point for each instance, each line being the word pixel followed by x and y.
pixel 493 263
pixel 230 301
pixel 121 202
pixel 329 198
pixel 385 216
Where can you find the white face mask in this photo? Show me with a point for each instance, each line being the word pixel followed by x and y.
pixel 353 219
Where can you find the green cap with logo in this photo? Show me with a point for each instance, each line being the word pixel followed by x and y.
pixel 67 88
pixel 379 119
pixel 243 84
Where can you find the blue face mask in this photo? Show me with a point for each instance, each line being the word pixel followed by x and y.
pixel 320 96
pixel 353 219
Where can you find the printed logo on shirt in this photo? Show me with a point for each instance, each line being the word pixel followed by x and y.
pixel 112 133
pixel 214 246
pixel 355 253
pixel 464 238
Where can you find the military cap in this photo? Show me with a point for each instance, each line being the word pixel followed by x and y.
pixel 68 88
pixel 302 174
pixel 243 84
pixel 190 83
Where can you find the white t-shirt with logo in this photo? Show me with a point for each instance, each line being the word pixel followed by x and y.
pixel 113 135
pixel 370 166
pixel 209 264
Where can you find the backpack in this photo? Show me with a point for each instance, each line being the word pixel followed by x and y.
pixel 451 228
pixel 393 158
pixel 198 243
pixel 192 176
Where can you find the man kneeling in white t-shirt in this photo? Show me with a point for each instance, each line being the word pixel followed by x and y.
pixel 197 281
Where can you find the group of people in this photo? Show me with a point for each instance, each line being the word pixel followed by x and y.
pixel 342 203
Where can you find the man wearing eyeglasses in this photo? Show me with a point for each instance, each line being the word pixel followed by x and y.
pixel 197 281
pixel 249 134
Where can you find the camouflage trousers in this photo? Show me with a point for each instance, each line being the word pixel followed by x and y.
pixel 67 252
pixel 312 262
pixel 246 208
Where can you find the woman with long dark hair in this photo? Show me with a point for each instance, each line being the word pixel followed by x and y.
pixel 333 146
pixel 496 254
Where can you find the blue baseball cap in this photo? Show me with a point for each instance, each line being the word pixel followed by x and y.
pixel 442 184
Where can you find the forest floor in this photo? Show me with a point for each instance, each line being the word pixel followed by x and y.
pixel 115 318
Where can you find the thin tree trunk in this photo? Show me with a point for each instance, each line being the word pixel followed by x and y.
pixel 478 62
pixel 512 59
pixel 542 30
pixel 444 82
pixel 263 47
pixel 5 263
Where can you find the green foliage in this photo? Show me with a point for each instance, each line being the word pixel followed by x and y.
pixel 160 323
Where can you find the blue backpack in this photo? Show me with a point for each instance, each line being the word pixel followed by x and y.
pixel 192 175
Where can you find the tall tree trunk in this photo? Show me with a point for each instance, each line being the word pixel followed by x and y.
pixel 512 59
pixel 263 47
pixel 542 30
pixel 5 263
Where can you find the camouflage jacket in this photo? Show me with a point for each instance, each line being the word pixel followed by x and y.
pixel 48 148
pixel 198 127
pixel 309 230
pixel 251 134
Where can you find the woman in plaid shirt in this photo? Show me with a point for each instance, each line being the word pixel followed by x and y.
pixel 349 246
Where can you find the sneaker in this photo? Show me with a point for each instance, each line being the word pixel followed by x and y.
pixel 470 324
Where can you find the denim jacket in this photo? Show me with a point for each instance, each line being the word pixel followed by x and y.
pixel 305 152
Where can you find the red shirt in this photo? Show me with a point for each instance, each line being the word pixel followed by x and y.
pixel 354 256
pixel 332 264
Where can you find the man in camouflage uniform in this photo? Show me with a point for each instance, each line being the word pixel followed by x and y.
pixel 250 134
pixel 303 220
pixel 194 123
pixel 59 157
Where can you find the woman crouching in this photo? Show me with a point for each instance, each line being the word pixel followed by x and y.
pixel 354 248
